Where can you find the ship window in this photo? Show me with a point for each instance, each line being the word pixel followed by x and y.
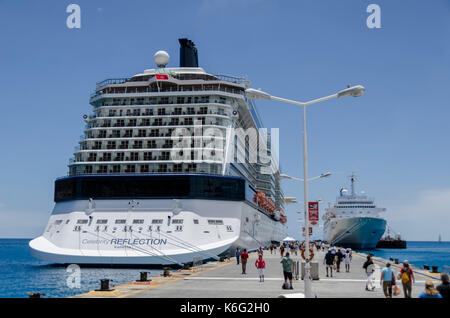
pixel 177 221
pixel 195 221
pixel 67 222
pixel 82 221
pixel 229 229
pixel 149 228
pixel 179 228
pixel 138 221
pixel 174 186
pixel 121 221
pixel 157 221
pixel 102 221
pixel 58 222
pixel 215 222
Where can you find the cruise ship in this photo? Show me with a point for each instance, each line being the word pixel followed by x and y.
pixel 354 221
pixel 160 176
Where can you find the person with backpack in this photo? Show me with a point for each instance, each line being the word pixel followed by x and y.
pixel 369 267
pixel 406 275
pixel 260 265
pixel 288 265
pixel 244 257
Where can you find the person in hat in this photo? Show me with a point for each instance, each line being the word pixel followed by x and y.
pixel 430 291
pixel 406 275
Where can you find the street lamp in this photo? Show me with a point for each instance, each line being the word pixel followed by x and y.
pixel 323 175
pixel 354 91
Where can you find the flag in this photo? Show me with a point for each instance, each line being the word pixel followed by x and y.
pixel 162 76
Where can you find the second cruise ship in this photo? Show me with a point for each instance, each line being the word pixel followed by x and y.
pixel 354 221
pixel 160 176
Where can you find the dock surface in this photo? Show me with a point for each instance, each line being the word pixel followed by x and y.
pixel 225 280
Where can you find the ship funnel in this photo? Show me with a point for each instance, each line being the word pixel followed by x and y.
pixel 188 53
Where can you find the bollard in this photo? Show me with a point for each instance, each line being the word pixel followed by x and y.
pixel 221 259
pixel 434 269
pixel 396 261
pixel 143 277
pixel 166 272
pixel 104 285
pixel 426 267
pixel 35 295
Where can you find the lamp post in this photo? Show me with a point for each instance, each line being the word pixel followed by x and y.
pixel 354 91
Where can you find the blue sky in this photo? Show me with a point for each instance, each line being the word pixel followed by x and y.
pixel 395 137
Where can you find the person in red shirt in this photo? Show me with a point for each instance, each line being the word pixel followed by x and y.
pixel 244 257
pixel 260 265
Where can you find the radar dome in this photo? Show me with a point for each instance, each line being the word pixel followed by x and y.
pixel 161 58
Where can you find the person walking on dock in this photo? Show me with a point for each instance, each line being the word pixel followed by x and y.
pixel 260 265
pixel 444 288
pixel 260 251
pixel 347 260
pixel 238 255
pixel 387 279
pixel 369 267
pixel 271 248
pixel 328 262
pixel 407 277
pixel 430 291
pixel 339 257
pixel 244 258
pixel 282 250
pixel 288 264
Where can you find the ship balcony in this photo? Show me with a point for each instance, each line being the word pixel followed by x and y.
pixel 111 92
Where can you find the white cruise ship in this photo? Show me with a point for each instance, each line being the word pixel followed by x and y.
pixel 354 221
pixel 133 195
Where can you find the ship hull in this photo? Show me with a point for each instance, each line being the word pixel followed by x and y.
pixel 356 232
pixel 198 237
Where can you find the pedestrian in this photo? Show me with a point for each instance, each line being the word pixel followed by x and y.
pixel 444 288
pixel 260 251
pixel 430 291
pixel 287 263
pixel 369 267
pixel 387 279
pixel 275 249
pixel 238 255
pixel 260 265
pixel 244 257
pixel 407 277
pixel 347 260
pixel 282 250
pixel 271 248
pixel 339 257
pixel 328 262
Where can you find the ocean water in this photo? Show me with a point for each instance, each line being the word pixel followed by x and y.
pixel 21 273
pixel 418 253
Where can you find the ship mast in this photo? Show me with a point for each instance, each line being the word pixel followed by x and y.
pixel 352 179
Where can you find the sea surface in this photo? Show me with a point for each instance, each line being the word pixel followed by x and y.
pixel 418 253
pixel 21 273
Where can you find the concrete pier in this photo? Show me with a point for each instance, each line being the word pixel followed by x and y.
pixel 225 280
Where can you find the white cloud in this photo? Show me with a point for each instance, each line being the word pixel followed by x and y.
pixel 424 217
